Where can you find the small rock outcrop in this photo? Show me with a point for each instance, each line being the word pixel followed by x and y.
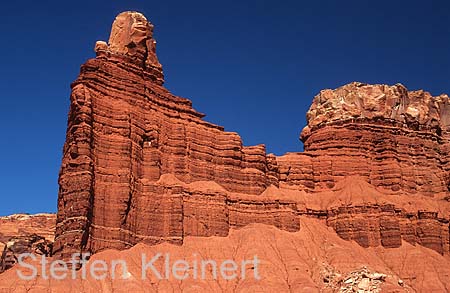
pixel 33 244
pixel 361 280
pixel 22 233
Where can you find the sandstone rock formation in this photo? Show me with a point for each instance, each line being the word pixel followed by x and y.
pixel 140 164
pixel 366 206
pixel 22 233
pixel 395 138
pixel 16 246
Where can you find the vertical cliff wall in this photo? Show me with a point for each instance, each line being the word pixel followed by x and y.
pixel 125 131
pixel 140 164
pixel 396 139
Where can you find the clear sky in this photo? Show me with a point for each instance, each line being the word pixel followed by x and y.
pixel 251 66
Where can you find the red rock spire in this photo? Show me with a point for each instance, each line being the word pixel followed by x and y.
pixel 132 39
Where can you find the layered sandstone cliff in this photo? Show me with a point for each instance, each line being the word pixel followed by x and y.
pixel 140 164
pixel 125 132
pixel 394 138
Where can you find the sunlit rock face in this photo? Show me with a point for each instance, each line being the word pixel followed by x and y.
pixel 397 139
pixel 132 35
pixel 141 165
pixel 132 40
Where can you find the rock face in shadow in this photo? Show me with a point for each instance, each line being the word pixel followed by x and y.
pixel 21 233
pixel 141 165
pixel 16 246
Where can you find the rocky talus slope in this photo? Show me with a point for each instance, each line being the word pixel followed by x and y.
pixel 366 206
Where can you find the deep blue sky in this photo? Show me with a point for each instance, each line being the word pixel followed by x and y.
pixel 251 66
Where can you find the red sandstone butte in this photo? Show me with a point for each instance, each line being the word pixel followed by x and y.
pixel 141 166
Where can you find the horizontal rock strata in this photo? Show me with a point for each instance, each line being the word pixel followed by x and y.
pixel 141 165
